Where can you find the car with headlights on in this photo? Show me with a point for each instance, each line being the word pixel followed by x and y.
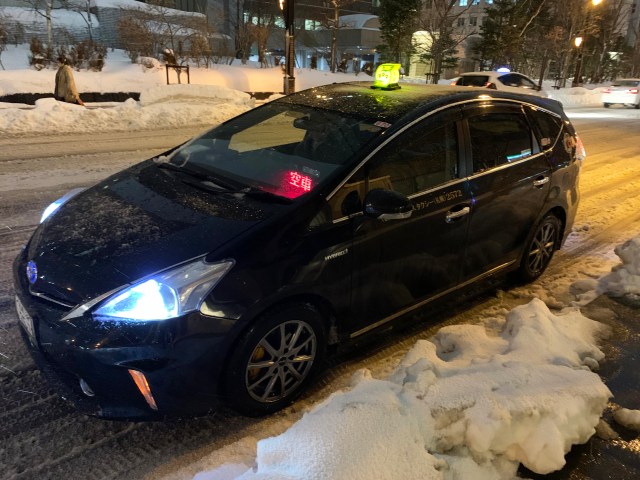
pixel 226 269
pixel 625 92
pixel 500 80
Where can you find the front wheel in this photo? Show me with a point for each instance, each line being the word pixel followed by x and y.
pixel 539 249
pixel 606 105
pixel 275 359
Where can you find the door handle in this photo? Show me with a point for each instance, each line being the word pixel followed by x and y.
pixel 451 216
pixel 540 181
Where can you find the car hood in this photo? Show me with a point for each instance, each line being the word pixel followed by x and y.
pixel 135 223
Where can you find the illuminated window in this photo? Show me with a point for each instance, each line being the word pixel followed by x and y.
pixel 463 3
pixel 311 24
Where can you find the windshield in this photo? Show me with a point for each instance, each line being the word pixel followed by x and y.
pixel 286 150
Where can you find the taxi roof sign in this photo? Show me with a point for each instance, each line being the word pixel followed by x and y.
pixel 387 76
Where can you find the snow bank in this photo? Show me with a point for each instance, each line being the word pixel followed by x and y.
pixel 624 279
pixel 467 404
pixel 577 97
pixel 165 107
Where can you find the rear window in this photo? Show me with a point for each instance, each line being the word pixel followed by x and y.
pixel 473 80
pixel 549 127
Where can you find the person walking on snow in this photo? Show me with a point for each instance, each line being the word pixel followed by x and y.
pixel 65 88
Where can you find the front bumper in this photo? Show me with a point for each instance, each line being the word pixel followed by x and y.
pixel 182 359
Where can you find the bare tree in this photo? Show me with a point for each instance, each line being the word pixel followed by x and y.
pixel 135 36
pixel 44 9
pixel 243 33
pixel 83 8
pixel 611 22
pixel 332 23
pixel 438 22
pixel 260 19
pixel 4 37
pixel 171 31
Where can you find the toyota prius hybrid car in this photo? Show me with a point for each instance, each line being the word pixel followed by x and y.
pixel 224 270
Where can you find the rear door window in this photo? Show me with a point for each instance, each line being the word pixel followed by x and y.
pixel 499 138
pixel 423 158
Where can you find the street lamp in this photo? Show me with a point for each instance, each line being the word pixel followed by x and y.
pixel 579 43
pixel 289 45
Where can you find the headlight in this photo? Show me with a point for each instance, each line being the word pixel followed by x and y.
pixel 165 295
pixel 51 209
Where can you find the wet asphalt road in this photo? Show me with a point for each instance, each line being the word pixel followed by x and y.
pixel 617 459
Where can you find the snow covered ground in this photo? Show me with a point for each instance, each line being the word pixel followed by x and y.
pixel 206 101
pixel 472 403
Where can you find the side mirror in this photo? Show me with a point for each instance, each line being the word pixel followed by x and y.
pixel 387 205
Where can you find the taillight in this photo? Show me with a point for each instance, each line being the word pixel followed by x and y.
pixel 633 90
pixel 491 85
pixel 606 90
pixel 455 82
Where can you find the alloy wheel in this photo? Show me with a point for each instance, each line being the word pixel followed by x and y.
pixel 542 247
pixel 281 361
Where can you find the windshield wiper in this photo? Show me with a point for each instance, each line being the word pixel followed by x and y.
pixel 211 187
pixel 222 184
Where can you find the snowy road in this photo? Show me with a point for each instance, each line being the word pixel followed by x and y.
pixel 41 437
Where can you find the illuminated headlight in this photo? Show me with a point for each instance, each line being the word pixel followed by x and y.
pixel 51 209
pixel 165 295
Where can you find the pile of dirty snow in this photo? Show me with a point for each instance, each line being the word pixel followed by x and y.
pixel 468 404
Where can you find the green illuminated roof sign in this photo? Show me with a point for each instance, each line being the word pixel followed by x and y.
pixel 387 76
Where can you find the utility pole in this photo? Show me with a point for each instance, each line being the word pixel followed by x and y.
pixel 289 45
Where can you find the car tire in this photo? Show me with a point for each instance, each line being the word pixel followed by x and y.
pixel 541 245
pixel 606 105
pixel 275 359
pixel 637 106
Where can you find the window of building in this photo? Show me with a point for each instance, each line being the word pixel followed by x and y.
pixel 475 2
pixel 310 24
pixel 463 3
pixel 473 21
pixel 460 22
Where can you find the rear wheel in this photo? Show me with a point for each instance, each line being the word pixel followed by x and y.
pixel 637 106
pixel 606 105
pixel 540 248
pixel 275 359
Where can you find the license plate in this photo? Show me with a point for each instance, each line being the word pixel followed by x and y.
pixel 26 321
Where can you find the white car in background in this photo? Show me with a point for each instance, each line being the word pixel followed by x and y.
pixel 625 91
pixel 500 80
